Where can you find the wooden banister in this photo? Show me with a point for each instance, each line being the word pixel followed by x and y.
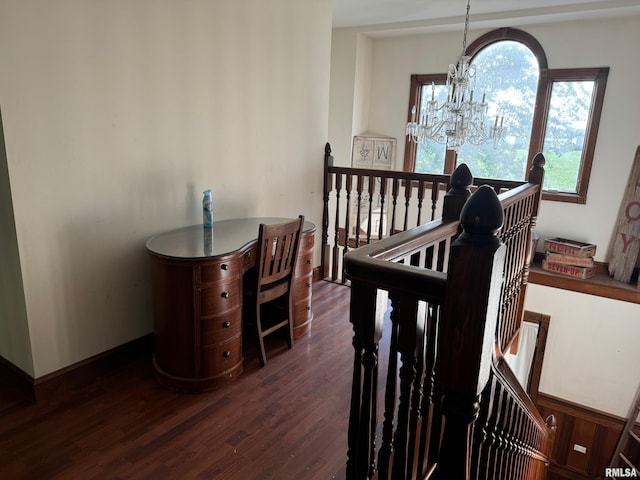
pixel 326 189
pixel 457 196
pixel 447 406
pixel 363 206
pixel 468 325
pixel 520 206
pixel 511 439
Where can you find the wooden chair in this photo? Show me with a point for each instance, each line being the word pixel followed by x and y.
pixel 275 266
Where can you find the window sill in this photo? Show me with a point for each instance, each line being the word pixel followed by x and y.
pixel 601 285
pixel 566 197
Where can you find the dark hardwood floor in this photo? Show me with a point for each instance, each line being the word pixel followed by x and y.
pixel 285 421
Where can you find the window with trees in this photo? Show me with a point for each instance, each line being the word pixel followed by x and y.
pixel 556 112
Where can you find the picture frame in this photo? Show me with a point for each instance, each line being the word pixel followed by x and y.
pixel 371 152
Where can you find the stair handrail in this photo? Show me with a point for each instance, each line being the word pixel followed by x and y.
pixel 401 192
pixel 376 266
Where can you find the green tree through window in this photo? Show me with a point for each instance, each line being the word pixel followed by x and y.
pixel 508 72
pixel 556 112
pixel 564 136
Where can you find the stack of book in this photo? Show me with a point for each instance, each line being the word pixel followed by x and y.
pixel 569 257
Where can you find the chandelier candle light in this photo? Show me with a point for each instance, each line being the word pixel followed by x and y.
pixel 460 119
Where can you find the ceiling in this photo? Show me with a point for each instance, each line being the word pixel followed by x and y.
pixel 354 13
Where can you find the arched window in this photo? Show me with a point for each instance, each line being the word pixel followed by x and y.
pixel 556 112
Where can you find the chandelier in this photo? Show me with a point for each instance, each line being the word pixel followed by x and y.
pixel 460 119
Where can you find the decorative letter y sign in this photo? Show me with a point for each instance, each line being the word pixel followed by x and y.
pixel 626 244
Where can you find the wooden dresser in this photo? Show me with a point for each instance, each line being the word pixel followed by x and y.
pixel 197 287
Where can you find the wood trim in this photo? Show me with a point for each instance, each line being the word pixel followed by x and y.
pixel 596 430
pixel 601 285
pixel 415 99
pixel 581 411
pixel 508 33
pixel 539 120
pixel 599 76
pixel 33 389
pixel 99 365
pixel 24 385
pixel 317 274
pixel 13 378
pixel 542 320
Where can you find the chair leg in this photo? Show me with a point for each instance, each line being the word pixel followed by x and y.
pixel 290 335
pixel 261 352
pixel 260 333
pixel 290 322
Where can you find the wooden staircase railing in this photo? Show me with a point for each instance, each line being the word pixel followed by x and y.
pixel 451 409
pixel 522 453
pixel 362 206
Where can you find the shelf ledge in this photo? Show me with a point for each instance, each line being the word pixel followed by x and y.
pixel 601 285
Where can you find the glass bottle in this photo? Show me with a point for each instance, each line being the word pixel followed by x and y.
pixel 207 209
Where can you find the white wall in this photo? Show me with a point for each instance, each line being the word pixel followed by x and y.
pixel 586 43
pixel 117 115
pixel 592 354
pixel 14 330
pixel 342 104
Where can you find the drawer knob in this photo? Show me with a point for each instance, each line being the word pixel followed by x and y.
pixel 224 266
pixel 308 261
pixel 224 294
pixel 226 324
pixel 226 354
pixel 308 284
pixel 248 254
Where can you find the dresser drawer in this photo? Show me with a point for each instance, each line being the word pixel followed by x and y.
pixel 302 311
pixel 304 266
pixel 302 286
pixel 218 359
pixel 248 259
pixel 306 241
pixel 220 271
pixel 219 298
pixel 220 329
pixel 302 317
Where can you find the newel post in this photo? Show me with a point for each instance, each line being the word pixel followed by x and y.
pixel 458 193
pixel 536 173
pixel 367 332
pixel 468 326
pixel 326 189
